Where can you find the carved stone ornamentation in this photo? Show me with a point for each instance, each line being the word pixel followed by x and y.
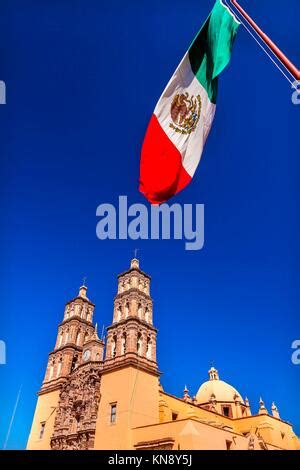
pixel 75 421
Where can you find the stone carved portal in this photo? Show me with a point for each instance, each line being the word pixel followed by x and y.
pixel 75 421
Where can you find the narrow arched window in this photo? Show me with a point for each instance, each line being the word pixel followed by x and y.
pixel 149 348
pixel 78 338
pixel 60 338
pixel 59 367
pixel 139 344
pixel 124 343
pixel 126 310
pixel 74 362
pixel 119 314
pixel 67 337
pixel 140 311
pixel 147 315
pixel 51 370
pixel 114 346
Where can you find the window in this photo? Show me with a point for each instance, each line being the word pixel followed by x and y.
pixel 148 352
pixel 119 314
pixel 51 371
pixel 42 429
pixel 126 310
pixel 114 346
pixel 228 445
pixel 174 416
pixel 226 410
pixel 124 343
pixel 60 339
pixel 74 363
pixel 139 344
pixel 140 311
pixel 67 337
pixel 59 368
pixel 113 413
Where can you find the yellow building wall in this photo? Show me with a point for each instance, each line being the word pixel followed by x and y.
pixel 45 411
pixel 190 434
pixel 170 404
pixel 144 413
pixel 274 431
pixel 136 394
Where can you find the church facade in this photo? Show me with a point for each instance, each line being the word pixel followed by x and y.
pixel 100 394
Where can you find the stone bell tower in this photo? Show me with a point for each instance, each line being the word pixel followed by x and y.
pixel 75 329
pixel 76 349
pixel 129 381
pixel 132 337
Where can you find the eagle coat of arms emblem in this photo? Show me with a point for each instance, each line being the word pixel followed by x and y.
pixel 185 112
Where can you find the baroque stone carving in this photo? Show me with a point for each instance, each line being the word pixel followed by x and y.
pixel 75 421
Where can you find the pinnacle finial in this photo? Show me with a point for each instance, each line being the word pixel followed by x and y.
pixel 275 411
pixel 135 262
pixel 102 333
pixel 213 374
pixel 83 289
pixel 95 332
pixel 262 408
pixel 186 393
pixel 261 402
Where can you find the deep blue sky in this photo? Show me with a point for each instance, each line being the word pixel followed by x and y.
pixel 82 80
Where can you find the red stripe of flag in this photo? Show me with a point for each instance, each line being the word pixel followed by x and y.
pixel 161 172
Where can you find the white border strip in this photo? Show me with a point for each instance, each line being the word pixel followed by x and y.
pixel 230 12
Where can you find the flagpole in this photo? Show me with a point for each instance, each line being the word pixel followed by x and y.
pixel 274 48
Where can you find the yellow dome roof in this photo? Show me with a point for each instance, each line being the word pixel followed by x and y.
pixel 220 390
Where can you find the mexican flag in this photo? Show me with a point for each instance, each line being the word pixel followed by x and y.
pixel 184 114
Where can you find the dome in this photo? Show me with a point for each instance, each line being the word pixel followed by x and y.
pixel 220 390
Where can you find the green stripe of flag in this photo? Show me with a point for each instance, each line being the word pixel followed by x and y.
pixel 211 49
